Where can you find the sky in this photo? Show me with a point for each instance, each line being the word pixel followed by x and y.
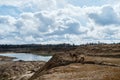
pixel 59 21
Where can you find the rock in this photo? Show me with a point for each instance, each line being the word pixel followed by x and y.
pixel 20 60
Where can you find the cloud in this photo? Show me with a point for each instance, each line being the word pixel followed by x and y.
pixel 45 21
pixel 9 10
pixel 106 17
pixel 33 21
pixel 34 6
pixel 6 25
pixel 67 26
pixel 83 3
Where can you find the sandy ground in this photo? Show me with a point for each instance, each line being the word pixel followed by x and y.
pixel 94 68
pixel 78 71
pixel 19 70
pixel 5 58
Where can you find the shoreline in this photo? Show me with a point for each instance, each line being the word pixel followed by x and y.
pixel 6 58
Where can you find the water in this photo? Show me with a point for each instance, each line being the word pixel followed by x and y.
pixel 26 56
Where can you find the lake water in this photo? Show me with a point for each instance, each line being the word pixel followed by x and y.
pixel 27 56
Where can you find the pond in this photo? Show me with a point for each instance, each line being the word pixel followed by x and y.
pixel 26 56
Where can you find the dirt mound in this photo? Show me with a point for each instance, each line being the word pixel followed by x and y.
pixel 63 59
pixel 14 70
pixel 60 59
pixel 77 71
pixel 6 58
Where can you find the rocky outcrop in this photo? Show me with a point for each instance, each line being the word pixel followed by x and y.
pixel 59 59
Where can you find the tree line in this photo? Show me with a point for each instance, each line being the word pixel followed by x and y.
pixel 36 47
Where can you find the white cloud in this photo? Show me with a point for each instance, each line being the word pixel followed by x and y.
pixel 57 21
pixel 6 25
pixel 106 17
pixel 10 2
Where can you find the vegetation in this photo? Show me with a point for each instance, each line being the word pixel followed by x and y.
pixel 37 48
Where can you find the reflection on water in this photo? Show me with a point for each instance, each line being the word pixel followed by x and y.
pixel 27 57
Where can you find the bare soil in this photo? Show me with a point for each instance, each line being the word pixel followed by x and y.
pixel 6 58
pixel 20 70
pixel 94 68
pixel 102 62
